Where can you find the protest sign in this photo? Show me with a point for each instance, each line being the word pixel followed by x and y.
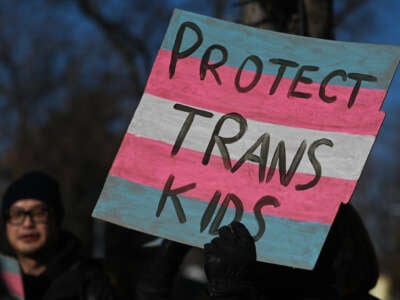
pixel 238 123
pixel 11 278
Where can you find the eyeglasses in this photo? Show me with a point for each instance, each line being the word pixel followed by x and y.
pixel 37 215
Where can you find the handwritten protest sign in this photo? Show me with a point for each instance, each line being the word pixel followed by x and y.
pixel 240 123
pixel 10 277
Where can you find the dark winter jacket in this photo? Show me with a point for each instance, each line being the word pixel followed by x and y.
pixel 69 276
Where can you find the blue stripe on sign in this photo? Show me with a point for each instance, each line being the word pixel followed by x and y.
pixel 133 205
pixel 241 41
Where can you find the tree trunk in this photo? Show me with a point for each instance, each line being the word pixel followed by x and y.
pixel 303 17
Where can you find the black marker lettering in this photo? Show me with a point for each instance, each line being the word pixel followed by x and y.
pixel 300 78
pixel 315 163
pixel 284 63
pixel 261 159
pixel 358 78
pixel 324 83
pixel 187 124
pixel 209 212
pixel 205 65
pixel 280 154
pixel 259 66
pixel 222 141
pixel 168 192
pixel 264 201
pixel 176 51
pixel 222 210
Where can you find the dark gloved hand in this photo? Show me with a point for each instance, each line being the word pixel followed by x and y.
pixel 229 260
pixel 157 282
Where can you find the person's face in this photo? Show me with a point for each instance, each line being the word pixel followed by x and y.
pixel 29 227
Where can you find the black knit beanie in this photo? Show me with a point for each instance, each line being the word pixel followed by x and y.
pixel 34 185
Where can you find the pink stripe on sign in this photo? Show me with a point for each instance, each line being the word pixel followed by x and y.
pixel 13 282
pixel 186 87
pixel 148 162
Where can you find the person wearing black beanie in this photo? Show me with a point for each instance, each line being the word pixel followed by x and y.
pixel 50 258
pixel 34 185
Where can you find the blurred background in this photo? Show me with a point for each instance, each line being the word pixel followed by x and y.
pixel 72 73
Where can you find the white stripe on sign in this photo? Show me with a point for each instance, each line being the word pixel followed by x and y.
pixel 345 159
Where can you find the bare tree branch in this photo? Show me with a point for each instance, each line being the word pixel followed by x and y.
pixel 125 42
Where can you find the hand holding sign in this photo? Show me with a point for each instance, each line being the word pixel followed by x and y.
pixel 229 259
pixel 273 132
pixel 234 249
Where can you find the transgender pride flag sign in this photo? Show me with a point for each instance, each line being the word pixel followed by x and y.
pixel 238 123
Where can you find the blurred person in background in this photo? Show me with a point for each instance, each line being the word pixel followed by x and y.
pixel 50 258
